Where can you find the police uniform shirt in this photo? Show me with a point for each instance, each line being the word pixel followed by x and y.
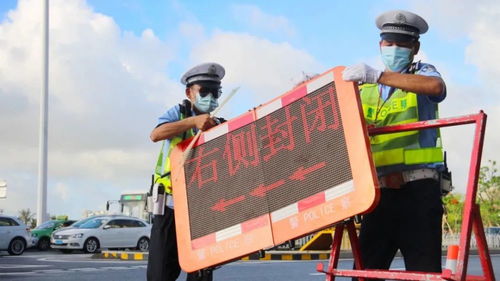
pixel 426 111
pixel 171 115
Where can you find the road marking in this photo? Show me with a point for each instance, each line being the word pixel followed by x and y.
pixel 46 255
pixel 119 267
pixel 18 273
pixel 69 270
pixel 93 261
pixel 86 269
pixel 10 266
pixel 45 271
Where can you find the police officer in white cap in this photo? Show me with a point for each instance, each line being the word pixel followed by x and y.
pixel 203 88
pixel 408 216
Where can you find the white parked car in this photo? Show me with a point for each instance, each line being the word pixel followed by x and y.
pixel 15 236
pixel 104 232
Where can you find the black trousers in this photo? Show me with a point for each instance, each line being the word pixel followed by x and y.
pixel 163 261
pixel 408 219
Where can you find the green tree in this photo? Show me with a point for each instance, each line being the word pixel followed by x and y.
pixel 488 198
pixel 26 216
pixel 488 195
pixel 453 208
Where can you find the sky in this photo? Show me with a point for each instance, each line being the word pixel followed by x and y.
pixel 115 67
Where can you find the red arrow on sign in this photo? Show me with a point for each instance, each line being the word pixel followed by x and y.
pixel 300 173
pixel 222 204
pixel 262 189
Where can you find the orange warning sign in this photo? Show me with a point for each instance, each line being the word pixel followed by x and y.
pixel 292 166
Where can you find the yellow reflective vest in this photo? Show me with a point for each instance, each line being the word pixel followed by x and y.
pixel 402 147
pixel 163 164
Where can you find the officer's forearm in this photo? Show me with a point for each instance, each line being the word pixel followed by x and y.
pixel 419 84
pixel 170 130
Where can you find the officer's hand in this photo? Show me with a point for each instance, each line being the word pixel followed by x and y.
pixel 204 122
pixel 361 73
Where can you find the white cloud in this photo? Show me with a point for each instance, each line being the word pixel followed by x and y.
pixel 192 31
pixel 477 22
pixel 107 87
pixel 262 68
pixel 456 19
pixel 256 18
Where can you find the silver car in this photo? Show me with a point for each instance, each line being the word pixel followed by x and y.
pixel 103 232
pixel 15 236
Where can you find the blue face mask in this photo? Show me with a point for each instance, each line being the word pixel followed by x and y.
pixel 205 104
pixel 395 58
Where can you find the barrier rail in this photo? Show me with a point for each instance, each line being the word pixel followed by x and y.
pixel 471 218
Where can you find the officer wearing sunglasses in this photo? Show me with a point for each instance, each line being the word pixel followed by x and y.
pixel 203 88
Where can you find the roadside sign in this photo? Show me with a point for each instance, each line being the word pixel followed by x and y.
pixel 292 166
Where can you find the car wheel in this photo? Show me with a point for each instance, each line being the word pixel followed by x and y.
pixel 66 251
pixel 43 244
pixel 91 246
pixel 143 244
pixel 16 246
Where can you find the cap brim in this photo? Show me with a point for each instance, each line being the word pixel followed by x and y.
pixel 199 78
pixel 397 37
pixel 205 83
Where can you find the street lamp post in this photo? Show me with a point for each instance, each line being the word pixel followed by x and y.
pixel 41 214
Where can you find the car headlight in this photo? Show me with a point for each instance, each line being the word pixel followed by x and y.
pixel 79 235
pixel 33 235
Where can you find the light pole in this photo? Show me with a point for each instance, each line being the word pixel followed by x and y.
pixel 41 214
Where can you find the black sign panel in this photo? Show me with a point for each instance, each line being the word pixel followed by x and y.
pixel 283 157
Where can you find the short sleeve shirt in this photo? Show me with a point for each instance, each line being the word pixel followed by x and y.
pixel 173 114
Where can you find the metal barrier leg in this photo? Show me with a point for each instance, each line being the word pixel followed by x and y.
pixel 482 246
pixel 335 252
pixel 353 238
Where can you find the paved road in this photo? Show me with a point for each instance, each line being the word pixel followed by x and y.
pixel 52 265
pixel 45 266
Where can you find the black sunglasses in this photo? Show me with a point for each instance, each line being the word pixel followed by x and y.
pixel 214 90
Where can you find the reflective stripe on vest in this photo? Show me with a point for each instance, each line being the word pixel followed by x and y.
pixel 400 147
pixel 163 165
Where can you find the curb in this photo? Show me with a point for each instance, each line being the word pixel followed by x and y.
pixel 289 256
pixel 121 255
pixel 268 256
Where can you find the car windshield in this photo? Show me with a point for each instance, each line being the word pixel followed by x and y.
pixel 93 223
pixel 47 224
pixel 80 222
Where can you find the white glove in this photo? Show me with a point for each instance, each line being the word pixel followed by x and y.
pixel 361 73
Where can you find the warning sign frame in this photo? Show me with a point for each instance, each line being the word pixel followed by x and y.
pixel 307 215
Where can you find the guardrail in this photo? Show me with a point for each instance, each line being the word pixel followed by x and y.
pixel 493 240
